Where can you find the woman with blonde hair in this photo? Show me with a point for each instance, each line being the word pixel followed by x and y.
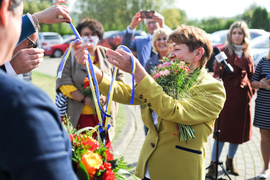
pixel 235 118
pixel 261 81
pixel 160 46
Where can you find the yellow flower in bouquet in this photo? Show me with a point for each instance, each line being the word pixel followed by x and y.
pixel 91 162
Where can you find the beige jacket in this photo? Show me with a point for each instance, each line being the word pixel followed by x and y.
pixel 74 74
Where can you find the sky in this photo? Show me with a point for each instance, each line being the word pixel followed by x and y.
pixel 199 9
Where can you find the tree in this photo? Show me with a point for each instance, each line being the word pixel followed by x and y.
pixel 116 14
pixel 260 19
pixel 174 17
pixel 35 6
pixel 213 24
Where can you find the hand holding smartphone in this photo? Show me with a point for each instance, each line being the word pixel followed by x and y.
pixel 147 14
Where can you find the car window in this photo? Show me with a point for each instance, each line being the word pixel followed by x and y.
pixel 260 42
pixel 49 37
pixel 254 35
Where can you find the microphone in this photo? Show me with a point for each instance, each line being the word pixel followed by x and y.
pixel 221 59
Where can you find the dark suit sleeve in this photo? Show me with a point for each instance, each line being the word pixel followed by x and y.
pixel 147 67
pixel 27 28
pixel 127 41
pixel 35 145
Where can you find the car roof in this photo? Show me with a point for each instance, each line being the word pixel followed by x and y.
pixel 48 33
pixel 69 38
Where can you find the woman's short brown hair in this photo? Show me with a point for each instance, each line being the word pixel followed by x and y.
pixel 194 38
pixel 95 26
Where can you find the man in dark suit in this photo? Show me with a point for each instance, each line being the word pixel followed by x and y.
pixel 35 145
pixel 142 45
pixel 26 60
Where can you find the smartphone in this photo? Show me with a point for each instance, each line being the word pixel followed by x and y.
pixel 147 14
pixel 268 76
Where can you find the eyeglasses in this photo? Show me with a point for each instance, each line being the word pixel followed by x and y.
pixel 162 39
pixel 33 45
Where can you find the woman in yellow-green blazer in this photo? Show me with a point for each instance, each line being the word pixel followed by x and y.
pixel 167 157
pixel 163 156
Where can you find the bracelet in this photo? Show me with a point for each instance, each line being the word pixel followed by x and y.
pixel 83 100
pixel 36 20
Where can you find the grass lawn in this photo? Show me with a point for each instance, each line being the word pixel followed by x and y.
pixel 47 83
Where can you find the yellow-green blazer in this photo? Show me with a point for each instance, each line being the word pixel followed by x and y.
pixel 167 157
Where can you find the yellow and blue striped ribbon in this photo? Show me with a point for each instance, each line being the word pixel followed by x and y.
pixel 133 70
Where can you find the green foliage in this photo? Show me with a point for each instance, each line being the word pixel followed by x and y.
pixel 174 17
pixel 82 172
pixel 117 15
pixel 114 15
pixel 260 19
pixel 35 6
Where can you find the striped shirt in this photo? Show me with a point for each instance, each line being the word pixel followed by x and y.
pixel 61 103
pixel 262 106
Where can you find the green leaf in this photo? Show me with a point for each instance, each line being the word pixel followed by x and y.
pixel 82 173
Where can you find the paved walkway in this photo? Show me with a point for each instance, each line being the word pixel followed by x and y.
pixel 248 158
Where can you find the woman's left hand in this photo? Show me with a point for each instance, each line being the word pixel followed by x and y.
pixel 121 59
pixel 103 100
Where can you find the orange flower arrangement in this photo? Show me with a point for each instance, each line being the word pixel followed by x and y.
pixel 91 159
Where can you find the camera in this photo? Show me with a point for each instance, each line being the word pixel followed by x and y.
pixel 147 14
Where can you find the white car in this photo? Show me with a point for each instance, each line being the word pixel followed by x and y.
pixel 47 39
pixel 260 47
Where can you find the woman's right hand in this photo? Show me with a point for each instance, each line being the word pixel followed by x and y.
pixel 136 20
pixel 88 102
pixel 81 55
pixel 80 52
pixel 265 84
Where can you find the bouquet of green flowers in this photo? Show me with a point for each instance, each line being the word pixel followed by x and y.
pixel 176 79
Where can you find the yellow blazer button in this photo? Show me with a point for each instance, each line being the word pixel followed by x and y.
pixel 145 100
pixel 141 96
pixel 149 104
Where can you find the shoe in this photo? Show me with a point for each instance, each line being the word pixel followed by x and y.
pixel 230 167
pixel 211 171
pixel 264 174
